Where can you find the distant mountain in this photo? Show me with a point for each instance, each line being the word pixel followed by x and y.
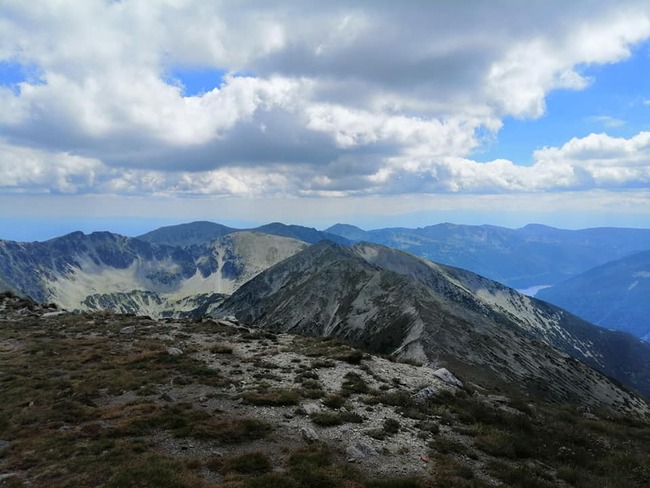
pixel 390 302
pixel 306 234
pixel 615 295
pixel 113 272
pixel 193 233
pixel 531 256
pixel 199 233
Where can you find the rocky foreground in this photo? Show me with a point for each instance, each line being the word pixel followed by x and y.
pixel 124 401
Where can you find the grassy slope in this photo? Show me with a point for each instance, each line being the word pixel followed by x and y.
pixel 81 406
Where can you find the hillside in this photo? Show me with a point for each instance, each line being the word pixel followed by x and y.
pixel 614 295
pixel 97 399
pixel 108 271
pixel 389 302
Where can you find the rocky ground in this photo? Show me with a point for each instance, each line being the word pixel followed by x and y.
pixel 125 401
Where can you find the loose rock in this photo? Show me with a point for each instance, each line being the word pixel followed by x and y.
pixel 309 434
pixel 425 394
pixel 359 451
pixel 445 375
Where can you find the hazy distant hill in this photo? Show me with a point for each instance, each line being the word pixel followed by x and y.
pixel 306 234
pixel 531 256
pixel 615 295
pixel 197 233
pixel 187 234
pixel 390 302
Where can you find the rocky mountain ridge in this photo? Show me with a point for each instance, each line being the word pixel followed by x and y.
pixel 386 301
pixel 107 271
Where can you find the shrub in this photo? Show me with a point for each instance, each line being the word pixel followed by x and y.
pixel 330 419
pixel 334 401
pixel 221 349
pixel 354 383
pixel 272 398
pixel 391 426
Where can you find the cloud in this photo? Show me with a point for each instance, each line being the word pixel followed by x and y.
pixel 317 98
pixel 25 170
pixel 606 121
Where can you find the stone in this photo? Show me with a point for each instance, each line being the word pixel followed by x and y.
pixel 167 397
pixel 310 408
pixel 445 375
pixel 425 394
pixel 224 322
pixel 174 351
pixel 498 398
pixel 130 329
pixel 359 451
pixel 309 434
pixel 53 314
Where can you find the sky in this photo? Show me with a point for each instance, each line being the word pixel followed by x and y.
pixel 128 115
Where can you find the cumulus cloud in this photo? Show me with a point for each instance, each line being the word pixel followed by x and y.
pixel 319 98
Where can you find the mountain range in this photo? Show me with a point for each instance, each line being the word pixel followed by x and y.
pixel 378 298
pixel 105 271
pixel 530 258
pixel 614 295
pixel 198 233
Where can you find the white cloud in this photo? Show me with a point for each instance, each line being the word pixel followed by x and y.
pixel 319 98
pixel 24 169
pixel 607 121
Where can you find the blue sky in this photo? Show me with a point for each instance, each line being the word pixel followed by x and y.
pixel 127 115
pixel 617 102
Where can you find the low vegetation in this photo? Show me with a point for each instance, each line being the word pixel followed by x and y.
pixel 102 400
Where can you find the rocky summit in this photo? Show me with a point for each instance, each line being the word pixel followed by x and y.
pixel 101 399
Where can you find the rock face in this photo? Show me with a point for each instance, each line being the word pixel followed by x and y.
pixel 104 271
pixel 389 302
pixel 614 295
